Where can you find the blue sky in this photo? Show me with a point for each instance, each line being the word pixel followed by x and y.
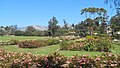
pixel 39 12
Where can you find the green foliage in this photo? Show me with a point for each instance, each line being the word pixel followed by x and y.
pixel 102 28
pixel 93 23
pixel 64 45
pixel 117 36
pixel 103 35
pixel 98 45
pixel 53 41
pixel 115 23
pixel 2 32
pixel 19 33
pixel 53 26
pixel 89 44
pixel 117 43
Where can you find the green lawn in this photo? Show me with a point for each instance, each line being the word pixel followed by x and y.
pixel 49 49
pixel 116 49
pixel 20 37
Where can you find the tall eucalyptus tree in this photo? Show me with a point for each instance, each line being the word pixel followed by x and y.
pixel 99 17
pixel 52 27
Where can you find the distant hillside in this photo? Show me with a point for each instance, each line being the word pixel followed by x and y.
pixel 41 28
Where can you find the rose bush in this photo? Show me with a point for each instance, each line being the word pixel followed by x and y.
pixel 37 43
pixel 91 44
pixel 56 60
pixel 8 42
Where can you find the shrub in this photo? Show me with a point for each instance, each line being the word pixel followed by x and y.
pixel 56 60
pixel 37 43
pixel 8 42
pixel 106 60
pixel 90 44
pixel 103 35
pixel 53 41
pixel 29 44
pixel 117 36
pixel 117 43
pixel 68 38
pixel 98 45
pixel 28 60
pixel 73 46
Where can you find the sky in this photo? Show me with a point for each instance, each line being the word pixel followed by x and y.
pixel 39 12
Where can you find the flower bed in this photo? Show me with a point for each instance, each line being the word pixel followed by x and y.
pixel 8 42
pixel 55 60
pixel 37 43
pixel 101 45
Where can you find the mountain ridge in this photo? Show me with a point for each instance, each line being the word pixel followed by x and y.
pixel 37 27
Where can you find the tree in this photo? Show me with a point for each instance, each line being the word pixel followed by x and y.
pixel 19 33
pixel 84 11
pixel 115 23
pixel 90 24
pixel 96 16
pixel 7 30
pixel 2 30
pixel 115 3
pixel 102 28
pixel 52 27
pixel 30 31
pixel 13 29
pixel 81 28
pixel 65 24
pixel 91 12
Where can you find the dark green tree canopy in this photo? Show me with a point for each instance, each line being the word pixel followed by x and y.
pixel 115 23
pixel 52 26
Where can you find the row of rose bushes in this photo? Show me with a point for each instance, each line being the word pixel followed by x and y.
pixel 56 60
pixel 37 43
pixel 33 43
pixel 69 38
pixel 91 44
pixel 30 43
pixel 8 42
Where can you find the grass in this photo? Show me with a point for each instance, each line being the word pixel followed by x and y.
pixel 48 49
pixel 53 48
pixel 42 50
pixel 20 37
pixel 116 49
